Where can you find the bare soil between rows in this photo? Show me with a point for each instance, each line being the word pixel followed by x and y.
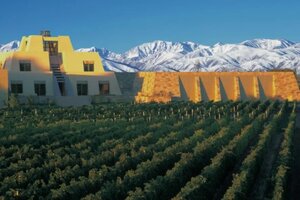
pixel 295 176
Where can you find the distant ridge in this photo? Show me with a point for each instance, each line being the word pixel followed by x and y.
pixel 11 46
pixel 249 55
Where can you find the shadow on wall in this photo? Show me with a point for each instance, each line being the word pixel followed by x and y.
pixel 204 95
pixel 130 83
pixel 262 94
pixel 223 91
pixel 37 64
pixel 230 85
pixel 243 95
pixel 183 93
pixel 69 90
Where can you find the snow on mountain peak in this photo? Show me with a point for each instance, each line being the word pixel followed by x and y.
pixel 218 44
pixel 268 44
pixel 159 46
pixel 91 49
pixel 250 55
pixel 11 46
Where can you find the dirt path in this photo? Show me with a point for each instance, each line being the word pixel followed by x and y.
pixel 295 178
pixel 228 180
pixel 260 186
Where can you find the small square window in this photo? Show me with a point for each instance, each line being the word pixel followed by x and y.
pixel 104 88
pixel 88 66
pixel 16 87
pixel 51 47
pixel 25 66
pixel 82 88
pixel 40 88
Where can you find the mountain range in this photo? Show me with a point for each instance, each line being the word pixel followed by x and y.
pixel 11 46
pixel 249 55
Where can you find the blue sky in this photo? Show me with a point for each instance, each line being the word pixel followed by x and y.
pixel 121 24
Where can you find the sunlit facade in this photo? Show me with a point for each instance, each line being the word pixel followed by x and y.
pixel 47 68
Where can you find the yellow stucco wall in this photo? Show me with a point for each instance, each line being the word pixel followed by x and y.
pixel 3 57
pixel 3 86
pixel 39 61
pixel 34 43
pixel 70 62
pixel 73 62
pixel 31 49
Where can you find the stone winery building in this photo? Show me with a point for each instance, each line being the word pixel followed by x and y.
pixel 46 68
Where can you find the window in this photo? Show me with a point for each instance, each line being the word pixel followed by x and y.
pixel 51 47
pixel 88 66
pixel 25 66
pixel 82 88
pixel 16 87
pixel 104 87
pixel 40 88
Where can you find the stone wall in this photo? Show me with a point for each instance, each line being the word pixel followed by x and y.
pixel 286 86
pixel 217 86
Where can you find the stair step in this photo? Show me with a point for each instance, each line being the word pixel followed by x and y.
pixel 56 71
pixel 60 79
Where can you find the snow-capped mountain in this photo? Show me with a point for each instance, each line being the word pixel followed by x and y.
pixel 11 46
pixel 250 55
pixel 268 44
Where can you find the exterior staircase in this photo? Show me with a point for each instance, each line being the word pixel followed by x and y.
pixel 57 73
pixel 55 64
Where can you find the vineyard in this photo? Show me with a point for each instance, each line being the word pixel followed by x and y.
pixel 178 150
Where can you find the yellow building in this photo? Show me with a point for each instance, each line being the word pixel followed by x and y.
pixel 47 68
